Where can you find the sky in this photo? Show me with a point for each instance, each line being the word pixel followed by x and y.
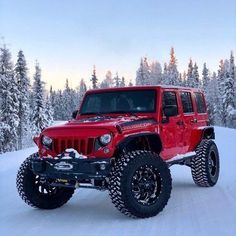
pixel 68 37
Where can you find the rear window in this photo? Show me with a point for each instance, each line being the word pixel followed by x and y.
pixel 200 103
pixel 186 102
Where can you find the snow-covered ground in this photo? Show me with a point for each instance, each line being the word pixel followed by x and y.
pixel 191 210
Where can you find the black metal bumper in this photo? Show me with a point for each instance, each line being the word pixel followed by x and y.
pixel 71 169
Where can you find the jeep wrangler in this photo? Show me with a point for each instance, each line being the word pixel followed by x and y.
pixel 123 140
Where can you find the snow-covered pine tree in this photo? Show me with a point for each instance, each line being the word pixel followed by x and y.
pixel 130 84
pixel 173 73
pixel 48 112
pixel 38 118
pixel 122 83
pixel 190 79
pixel 155 73
pixel 184 79
pixel 82 90
pixel 212 96
pixel 143 73
pixel 23 85
pixel 196 82
pixel 221 91
pixel 232 72
pixel 117 80
pixel 94 78
pixel 9 104
pixel 165 77
pixel 108 81
pixel 205 77
pixel 59 106
pixel 52 97
pixel 70 101
pixel 228 97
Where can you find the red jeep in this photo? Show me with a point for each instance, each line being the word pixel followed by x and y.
pixel 123 140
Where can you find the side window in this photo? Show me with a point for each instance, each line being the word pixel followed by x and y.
pixel 200 103
pixel 169 104
pixel 186 102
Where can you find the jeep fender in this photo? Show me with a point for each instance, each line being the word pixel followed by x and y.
pixel 208 133
pixel 154 141
pixel 200 133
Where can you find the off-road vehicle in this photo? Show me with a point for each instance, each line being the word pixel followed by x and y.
pixel 123 140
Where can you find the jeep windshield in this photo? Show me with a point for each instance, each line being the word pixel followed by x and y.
pixel 126 101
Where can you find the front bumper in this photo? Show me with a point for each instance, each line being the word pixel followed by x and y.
pixel 71 169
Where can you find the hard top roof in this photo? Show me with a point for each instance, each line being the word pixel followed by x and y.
pixel 144 88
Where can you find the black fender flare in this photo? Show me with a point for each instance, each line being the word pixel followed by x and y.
pixel 153 138
pixel 208 133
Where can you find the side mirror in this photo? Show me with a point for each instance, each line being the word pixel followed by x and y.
pixel 170 110
pixel 74 114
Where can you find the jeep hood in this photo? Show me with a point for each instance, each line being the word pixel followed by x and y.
pixel 102 123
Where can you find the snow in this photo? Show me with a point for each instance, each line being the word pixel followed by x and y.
pixel 182 156
pixel 191 210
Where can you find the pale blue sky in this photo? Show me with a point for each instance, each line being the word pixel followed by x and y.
pixel 68 37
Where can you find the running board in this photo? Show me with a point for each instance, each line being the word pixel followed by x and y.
pixel 182 159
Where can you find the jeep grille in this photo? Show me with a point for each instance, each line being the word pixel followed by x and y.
pixel 83 146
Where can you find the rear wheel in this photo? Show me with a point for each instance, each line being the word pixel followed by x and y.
pixel 205 166
pixel 140 184
pixel 35 191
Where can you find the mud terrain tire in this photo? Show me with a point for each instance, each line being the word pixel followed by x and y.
pixel 36 194
pixel 205 166
pixel 140 184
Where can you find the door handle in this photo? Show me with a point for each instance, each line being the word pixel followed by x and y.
pixel 180 122
pixel 194 120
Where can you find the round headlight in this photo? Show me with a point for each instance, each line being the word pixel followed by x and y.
pixel 46 141
pixel 105 139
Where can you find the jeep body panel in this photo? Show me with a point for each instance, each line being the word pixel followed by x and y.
pixel 177 134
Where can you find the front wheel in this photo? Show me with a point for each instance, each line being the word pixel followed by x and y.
pixel 140 184
pixel 205 166
pixel 36 192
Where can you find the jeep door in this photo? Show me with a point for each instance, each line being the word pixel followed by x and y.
pixel 171 126
pixel 188 117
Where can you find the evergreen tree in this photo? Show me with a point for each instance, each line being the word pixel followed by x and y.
pixel 94 79
pixel 228 98
pixel 233 74
pixel 122 83
pixel 9 103
pixel 117 81
pixel 70 101
pixel 23 86
pixel 212 96
pixel 52 97
pixel 82 90
pixel 38 119
pixel 196 81
pixel 48 112
pixel 173 74
pixel 184 79
pixel 143 73
pixel 108 81
pixel 190 77
pixel 155 73
pixel 130 84
pixel 221 85
pixel 165 77
pixel 59 106
pixel 205 77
